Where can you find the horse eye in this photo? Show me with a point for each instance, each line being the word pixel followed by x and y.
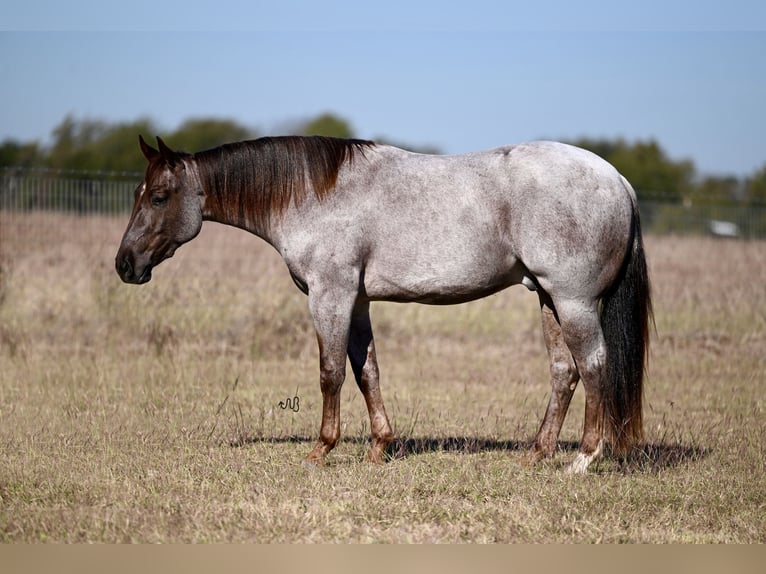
pixel 159 200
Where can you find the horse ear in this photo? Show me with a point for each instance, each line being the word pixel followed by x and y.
pixel 149 152
pixel 166 153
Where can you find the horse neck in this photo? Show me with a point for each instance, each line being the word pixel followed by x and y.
pixel 235 197
pixel 252 184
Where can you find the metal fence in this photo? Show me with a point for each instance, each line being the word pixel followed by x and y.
pixel 25 190
pixel 719 217
pixel 68 191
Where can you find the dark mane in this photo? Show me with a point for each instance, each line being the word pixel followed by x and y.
pixel 251 180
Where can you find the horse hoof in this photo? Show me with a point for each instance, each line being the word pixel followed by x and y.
pixel 531 458
pixel 375 458
pixel 580 464
pixel 312 463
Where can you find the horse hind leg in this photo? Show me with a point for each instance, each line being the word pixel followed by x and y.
pixel 564 378
pixel 581 330
pixel 361 354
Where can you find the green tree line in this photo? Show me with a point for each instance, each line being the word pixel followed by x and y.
pixel 653 174
pixel 96 145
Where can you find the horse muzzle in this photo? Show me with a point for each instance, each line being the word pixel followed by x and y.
pixel 129 272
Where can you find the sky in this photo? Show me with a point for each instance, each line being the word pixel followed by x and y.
pixel 460 76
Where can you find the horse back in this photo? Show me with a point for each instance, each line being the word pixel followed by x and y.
pixel 452 228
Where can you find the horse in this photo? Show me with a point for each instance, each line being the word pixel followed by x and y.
pixel 356 222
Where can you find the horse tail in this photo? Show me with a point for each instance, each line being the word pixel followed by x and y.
pixel 626 313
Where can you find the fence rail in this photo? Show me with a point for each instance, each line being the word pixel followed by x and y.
pixel 710 216
pixel 27 190
pixel 23 190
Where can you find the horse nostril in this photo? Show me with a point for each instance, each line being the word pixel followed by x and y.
pixel 124 268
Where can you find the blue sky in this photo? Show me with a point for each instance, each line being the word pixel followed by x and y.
pixel 460 76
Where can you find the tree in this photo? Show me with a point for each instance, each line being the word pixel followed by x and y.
pixel 716 190
pixel 199 134
pixel 755 187
pixel 328 124
pixel 116 149
pixel 15 154
pixel 646 166
pixel 95 145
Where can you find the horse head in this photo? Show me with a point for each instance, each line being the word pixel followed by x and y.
pixel 166 214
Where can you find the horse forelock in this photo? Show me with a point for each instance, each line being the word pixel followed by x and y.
pixel 250 182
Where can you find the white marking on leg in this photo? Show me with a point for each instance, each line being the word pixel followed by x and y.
pixel 582 461
pixel 580 464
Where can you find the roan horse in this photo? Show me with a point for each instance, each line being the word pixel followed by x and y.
pixel 357 222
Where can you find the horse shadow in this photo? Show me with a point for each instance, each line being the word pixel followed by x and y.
pixel 642 458
pixel 647 457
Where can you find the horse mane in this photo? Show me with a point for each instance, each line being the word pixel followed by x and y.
pixel 249 181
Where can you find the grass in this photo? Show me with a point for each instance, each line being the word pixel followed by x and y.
pixel 150 414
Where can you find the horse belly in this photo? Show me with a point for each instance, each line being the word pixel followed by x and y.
pixel 439 278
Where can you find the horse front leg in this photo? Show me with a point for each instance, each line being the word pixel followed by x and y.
pixel 331 312
pixel 364 363
pixel 564 378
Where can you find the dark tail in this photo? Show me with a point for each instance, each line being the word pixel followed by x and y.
pixel 625 315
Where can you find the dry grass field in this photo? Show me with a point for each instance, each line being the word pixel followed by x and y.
pixel 151 413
